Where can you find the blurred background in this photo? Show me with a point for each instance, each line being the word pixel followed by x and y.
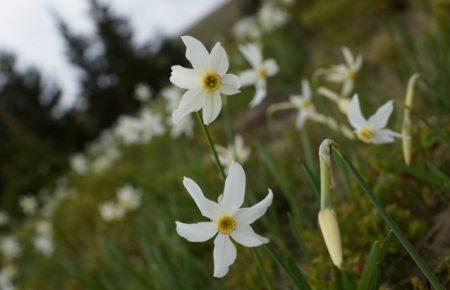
pixel 72 72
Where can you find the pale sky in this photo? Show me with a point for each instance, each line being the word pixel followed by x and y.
pixel 28 29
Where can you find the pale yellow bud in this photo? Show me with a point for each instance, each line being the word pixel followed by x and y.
pixel 406 129
pixel 331 234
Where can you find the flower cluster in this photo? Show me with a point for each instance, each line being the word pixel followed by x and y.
pixel 128 199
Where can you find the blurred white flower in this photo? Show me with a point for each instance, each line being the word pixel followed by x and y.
pixel 227 219
pixel 10 247
pixel 44 227
pixel 303 103
pixel 261 70
pixel 128 198
pixel 44 244
pixel 205 82
pixel 28 204
pixel 186 125
pixel 371 130
pixel 172 95
pixel 345 73
pixel 7 274
pixel 111 211
pixel 4 218
pixel 342 101
pixel 234 152
pixel 79 164
pixel 143 92
pixel 128 129
pixel 105 160
pixel 247 28
pixel 272 17
pixel 150 125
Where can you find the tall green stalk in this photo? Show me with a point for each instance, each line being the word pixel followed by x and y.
pixel 211 146
pixel 389 220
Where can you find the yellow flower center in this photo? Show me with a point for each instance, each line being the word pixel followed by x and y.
pixel 366 135
pixel 352 74
pixel 211 81
pixel 306 104
pixel 226 224
pixel 262 72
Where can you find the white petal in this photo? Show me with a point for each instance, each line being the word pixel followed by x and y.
pixel 185 78
pixel 244 235
pixel 224 255
pixel 306 89
pixel 191 101
pixel 198 232
pixel 348 56
pixel 248 77
pixel 211 107
pixel 252 54
pixel 380 119
pixel 271 67
pixel 301 119
pixel 385 136
pixel 208 208
pixel 260 93
pixel 358 63
pixel 196 53
pixel 250 214
pixel 347 88
pixel 354 114
pixel 234 191
pixel 219 59
pixel 296 100
pixel 230 84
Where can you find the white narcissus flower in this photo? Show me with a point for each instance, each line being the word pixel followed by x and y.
pixel 272 17
pixel 303 103
pixel 151 125
pixel 4 218
pixel 110 211
pixel 143 92
pixel 234 152
pixel 205 82
pixel 10 247
pixel 44 244
pixel 79 164
pixel 184 126
pixel 371 130
pixel 227 219
pixel 261 70
pixel 128 197
pixel 345 74
pixel 7 274
pixel 247 28
pixel 28 204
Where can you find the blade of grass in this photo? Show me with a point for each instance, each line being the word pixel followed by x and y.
pixel 292 271
pixel 390 222
pixel 368 275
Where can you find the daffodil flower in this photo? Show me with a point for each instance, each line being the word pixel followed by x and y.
pixel 205 82
pixel 234 152
pixel 227 219
pixel 303 103
pixel 261 70
pixel 371 130
pixel 345 74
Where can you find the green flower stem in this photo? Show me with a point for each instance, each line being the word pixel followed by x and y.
pixel 262 270
pixel 389 221
pixel 211 146
pixel 325 167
